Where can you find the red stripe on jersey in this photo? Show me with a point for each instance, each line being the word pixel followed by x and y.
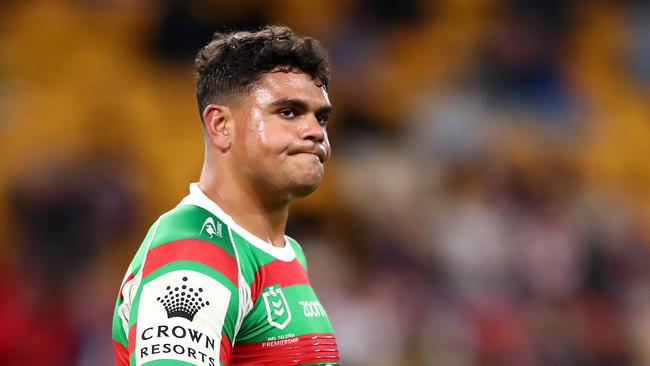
pixel 132 336
pixel 226 348
pixel 192 250
pixel 121 354
pixel 280 273
pixel 308 348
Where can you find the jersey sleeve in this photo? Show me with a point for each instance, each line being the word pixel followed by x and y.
pixel 182 300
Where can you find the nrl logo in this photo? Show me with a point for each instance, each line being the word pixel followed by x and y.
pixel 277 307
pixel 210 228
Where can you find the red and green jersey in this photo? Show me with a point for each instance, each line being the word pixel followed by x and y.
pixel 201 290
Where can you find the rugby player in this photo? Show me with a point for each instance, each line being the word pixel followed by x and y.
pixel 216 281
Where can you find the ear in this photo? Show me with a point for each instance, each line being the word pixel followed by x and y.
pixel 218 119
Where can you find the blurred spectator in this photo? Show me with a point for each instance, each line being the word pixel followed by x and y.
pixel 58 299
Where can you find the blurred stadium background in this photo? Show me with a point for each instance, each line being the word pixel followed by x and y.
pixel 488 202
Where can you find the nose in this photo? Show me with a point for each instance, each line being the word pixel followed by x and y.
pixel 312 130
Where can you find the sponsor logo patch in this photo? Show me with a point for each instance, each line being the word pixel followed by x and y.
pixel 180 317
pixel 312 309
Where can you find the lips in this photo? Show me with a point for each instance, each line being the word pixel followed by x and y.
pixel 318 150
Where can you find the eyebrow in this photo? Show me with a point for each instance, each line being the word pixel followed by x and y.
pixel 300 104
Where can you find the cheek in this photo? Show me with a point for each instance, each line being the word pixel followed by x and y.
pixel 257 137
pixel 257 127
pixel 266 139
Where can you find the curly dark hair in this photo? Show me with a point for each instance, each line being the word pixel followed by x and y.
pixel 232 62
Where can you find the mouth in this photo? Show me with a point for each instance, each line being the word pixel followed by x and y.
pixel 316 150
pixel 321 160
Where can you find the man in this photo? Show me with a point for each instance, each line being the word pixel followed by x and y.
pixel 216 281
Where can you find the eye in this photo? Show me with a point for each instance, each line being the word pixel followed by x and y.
pixel 288 113
pixel 322 118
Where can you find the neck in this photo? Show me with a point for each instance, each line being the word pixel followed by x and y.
pixel 262 218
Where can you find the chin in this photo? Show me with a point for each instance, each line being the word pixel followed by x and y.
pixel 305 186
pixel 301 182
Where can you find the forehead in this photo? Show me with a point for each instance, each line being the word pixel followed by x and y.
pixel 273 86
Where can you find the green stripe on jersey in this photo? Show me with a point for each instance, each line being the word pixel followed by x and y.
pixel 192 222
pixel 118 332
